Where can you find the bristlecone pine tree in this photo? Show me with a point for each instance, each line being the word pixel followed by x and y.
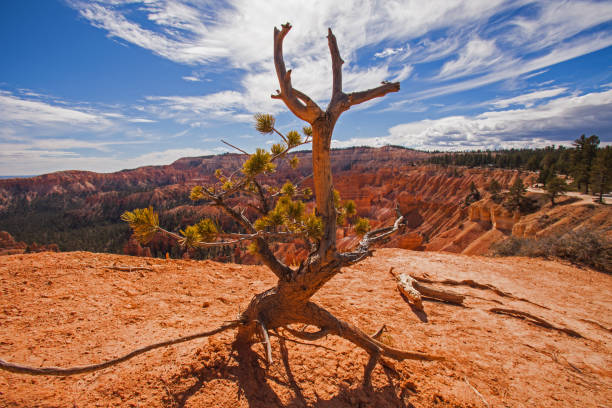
pixel 283 217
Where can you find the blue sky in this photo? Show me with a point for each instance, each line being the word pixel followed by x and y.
pixel 105 85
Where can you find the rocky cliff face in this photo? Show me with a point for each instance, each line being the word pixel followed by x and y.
pixel 80 210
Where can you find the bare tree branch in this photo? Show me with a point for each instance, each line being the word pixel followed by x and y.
pixel 363 249
pixel 286 94
pixel 22 369
pixel 337 62
pixel 356 98
pixel 237 148
pixel 262 197
pixel 306 99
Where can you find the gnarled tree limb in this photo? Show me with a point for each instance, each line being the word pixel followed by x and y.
pixel 337 62
pixel 356 98
pixel 287 94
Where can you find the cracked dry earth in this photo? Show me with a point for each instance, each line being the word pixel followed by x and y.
pixel 70 309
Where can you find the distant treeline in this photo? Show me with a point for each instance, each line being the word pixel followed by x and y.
pixel 589 165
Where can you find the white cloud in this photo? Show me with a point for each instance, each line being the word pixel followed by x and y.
pixel 387 52
pixel 557 21
pixel 59 144
pixel 477 56
pixel 566 52
pixel 171 44
pixel 191 78
pixel 238 34
pixel 223 105
pixel 32 112
pixel 530 98
pixel 32 162
pixel 555 120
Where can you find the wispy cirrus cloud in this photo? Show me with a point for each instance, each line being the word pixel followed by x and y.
pixel 477 56
pixel 567 51
pixel 31 112
pixel 532 35
pixel 529 99
pixel 26 161
pixel 435 48
pixel 555 121
pixel 37 111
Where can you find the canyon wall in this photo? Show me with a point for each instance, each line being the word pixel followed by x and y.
pixel 80 210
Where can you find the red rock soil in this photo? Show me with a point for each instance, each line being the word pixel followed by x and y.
pixel 65 309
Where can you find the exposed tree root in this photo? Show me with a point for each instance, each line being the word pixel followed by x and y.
pixel 476 285
pixel 535 320
pixel 21 369
pixel 284 338
pixel 266 339
pixel 316 315
pixel 414 290
pixel 309 336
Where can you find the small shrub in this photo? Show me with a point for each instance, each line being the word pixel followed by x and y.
pixel 581 247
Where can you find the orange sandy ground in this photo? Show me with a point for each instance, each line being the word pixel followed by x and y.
pixel 66 309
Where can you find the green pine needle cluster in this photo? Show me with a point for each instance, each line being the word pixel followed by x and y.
pixel 290 215
pixel 344 211
pixel 293 139
pixel 144 223
pixel 264 123
pixel 204 231
pixel 362 226
pixel 293 162
pixel 196 194
pixel 259 162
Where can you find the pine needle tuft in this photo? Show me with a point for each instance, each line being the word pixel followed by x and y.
pixel 144 222
pixel 264 123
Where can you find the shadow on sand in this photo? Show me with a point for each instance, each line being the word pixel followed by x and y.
pixel 248 370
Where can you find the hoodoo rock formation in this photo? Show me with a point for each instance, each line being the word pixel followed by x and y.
pixel 430 197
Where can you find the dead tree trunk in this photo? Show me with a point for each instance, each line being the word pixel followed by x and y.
pixel 289 302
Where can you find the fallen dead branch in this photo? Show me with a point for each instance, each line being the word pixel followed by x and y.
pixel 535 320
pixel 477 285
pixel 22 369
pixel 415 290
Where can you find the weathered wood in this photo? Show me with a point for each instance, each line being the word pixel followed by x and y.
pixel 266 339
pixel 405 285
pixel 447 296
pixel 414 291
